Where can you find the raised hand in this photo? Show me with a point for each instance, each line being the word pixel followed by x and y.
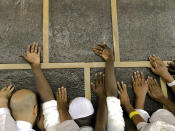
pixel 98 87
pixel 5 93
pixel 62 99
pixel 124 98
pixel 33 55
pixel 155 91
pixel 104 51
pixel 159 68
pixel 140 89
pixel 139 84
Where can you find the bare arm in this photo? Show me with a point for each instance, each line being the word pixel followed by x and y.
pixel 62 104
pixel 5 93
pixel 159 68
pixel 110 80
pixel 98 88
pixel 125 101
pixel 43 87
pixel 156 93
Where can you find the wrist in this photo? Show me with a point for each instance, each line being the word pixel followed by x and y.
pixel 110 59
pixel 162 99
pixel 168 78
pixel 129 108
pixel 36 66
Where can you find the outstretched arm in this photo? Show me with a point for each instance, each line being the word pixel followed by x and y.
pixel 62 104
pixel 110 80
pixel 159 68
pixel 125 101
pixel 33 58
pixel 98 89
pixel 156 93
pixel 5 116
pixel 5 93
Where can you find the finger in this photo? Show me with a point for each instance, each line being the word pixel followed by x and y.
pixel 24 56
pixel 119 87
pixel 98 48
pixel 123 86
pixel 153 70
pixel 101 78
pixel 133 81
pixel 149 82
pixel 65 94
pixel 36 48
pixel 135 75
pixel 96 78
pixel 12 89
pixel 93 86
pixel 33 47
pixel 142 76
pixel 39 50
pixel 59 93
pixel 97 53
pixel 62 93
pixel 28 49
pixel 156 83
pixel 138 75
pixel 149 93
pixel 103 45
pixel 9 87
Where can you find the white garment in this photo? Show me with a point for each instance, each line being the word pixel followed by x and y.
pixel 86 128
pixel 115 115
pixel 51 114
pixel 80 107
pixel 161 120
pixel 23 126
pixel 7 123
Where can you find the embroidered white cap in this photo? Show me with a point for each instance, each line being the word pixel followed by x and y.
pixel 80 107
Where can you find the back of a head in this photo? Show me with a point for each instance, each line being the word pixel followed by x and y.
pixel 81 110
pixel 22 104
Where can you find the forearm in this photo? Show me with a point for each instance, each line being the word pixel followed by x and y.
pixel 101 118
pixel 42 85
pixel 3 103
pixel 139 103
pixel 170 105
pixel 137 118
pixel 64 115
pixel 110 80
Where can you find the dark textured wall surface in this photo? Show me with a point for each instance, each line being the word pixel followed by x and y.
pixel 146 27
pixel 20 24
pixel 72 79
pixel 76 26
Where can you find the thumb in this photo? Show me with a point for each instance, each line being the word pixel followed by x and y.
pixel 22 55
pixel 153 70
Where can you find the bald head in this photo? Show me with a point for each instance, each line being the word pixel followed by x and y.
pixel 23 101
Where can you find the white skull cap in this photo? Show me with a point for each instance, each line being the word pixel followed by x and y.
pixel 80 107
